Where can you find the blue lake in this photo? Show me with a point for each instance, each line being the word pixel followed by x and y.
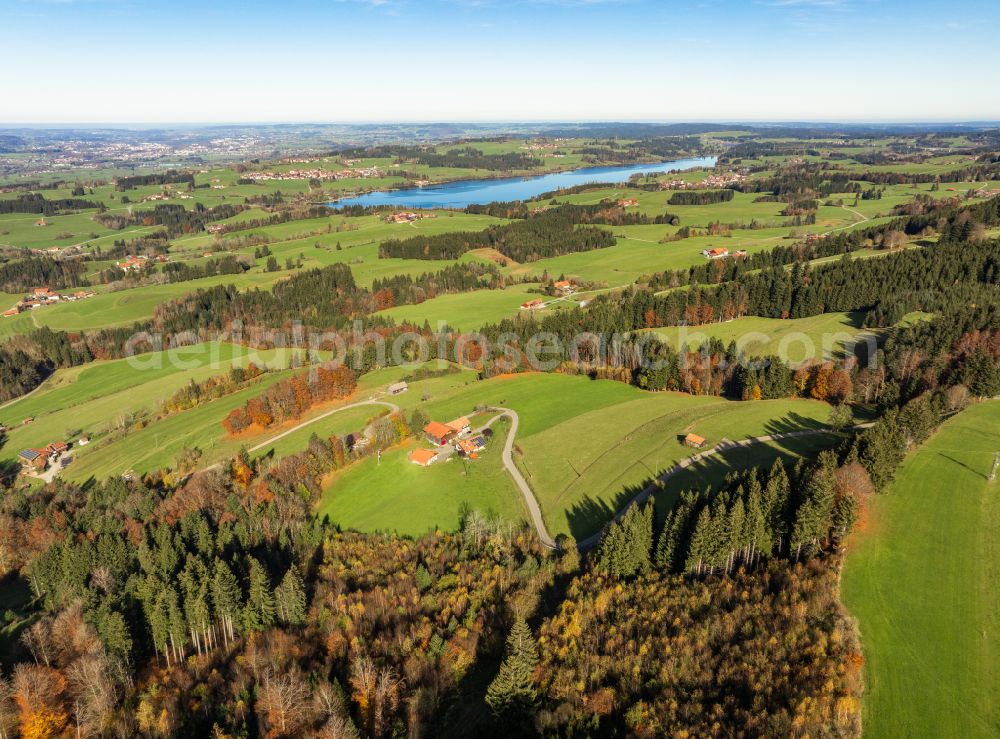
pixel 477 192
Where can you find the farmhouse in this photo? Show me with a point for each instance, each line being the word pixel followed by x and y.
pixel 694 441
pixel 471 447
pixel 564 287
pixel 397 387
pixel 56 448
pixel 423 457
pixel 628 202
pixel 36 459
pixel 438 433
pixel 407 217
pixel 717 253
pixel 132 263
pixel 216 228
pixel 460 426
pixel 532 304
pixel 41 296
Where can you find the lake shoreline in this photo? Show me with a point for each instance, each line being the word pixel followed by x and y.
pixel 431 187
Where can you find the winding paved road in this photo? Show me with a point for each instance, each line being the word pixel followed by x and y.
pixel 508 462
pixel 584 544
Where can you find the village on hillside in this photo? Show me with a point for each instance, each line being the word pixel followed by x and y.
pixel 314 174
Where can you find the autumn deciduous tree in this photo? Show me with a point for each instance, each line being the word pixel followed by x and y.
pixel 284 703
pixel 894 240
pixel 820 382
pixel 852 487
pixel 40 695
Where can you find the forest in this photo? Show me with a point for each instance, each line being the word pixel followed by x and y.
pixel 170 177
pixel 23 275
pixel 549 233
pixel 291 398
pixel 700 197
pixel 176 219
pixel 223 591
pixel 35 203
pixel 469 157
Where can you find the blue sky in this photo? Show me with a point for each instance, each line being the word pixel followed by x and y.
pixel 414 60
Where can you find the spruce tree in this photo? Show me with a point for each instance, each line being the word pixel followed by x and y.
pixel 758 541
pixel 777 494
pixel 814 517
pixel 511 695
pixel 667 544
pixel 258 613
pixel 698 549
pixel 291 597
pixel 226 598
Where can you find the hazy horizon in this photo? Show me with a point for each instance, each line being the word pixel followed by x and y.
pixel 140 125
pixel 355 61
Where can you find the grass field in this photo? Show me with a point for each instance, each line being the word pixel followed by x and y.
pixel 92 397
pixel 127 306
pixel 161 442
pixel 396 495
pixel 921 578
pixel 580 476
pixel 637 252
pixel 466 311
pixel 794 340
pixel 158 444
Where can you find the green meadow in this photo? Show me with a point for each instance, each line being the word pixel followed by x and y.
pixel 579 476
pixel 794 340
pixel 466 311
pixel 638 250
pixel 921 579
pixel 124 307
pixel 93 398
pixel 160 442
pixel 393 494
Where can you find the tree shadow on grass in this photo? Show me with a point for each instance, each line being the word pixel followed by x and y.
pixel 976 472
pixel 712 472
pixel 590 515
pixel 791 423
